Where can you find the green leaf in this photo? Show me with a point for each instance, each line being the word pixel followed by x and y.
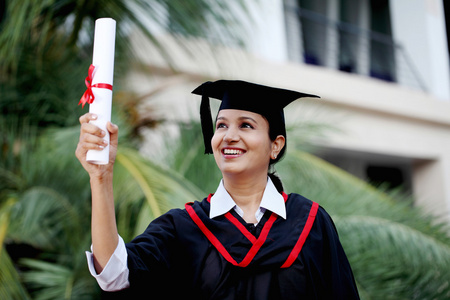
pixel 10 284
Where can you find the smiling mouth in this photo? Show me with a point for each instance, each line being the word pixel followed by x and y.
pixel 232 151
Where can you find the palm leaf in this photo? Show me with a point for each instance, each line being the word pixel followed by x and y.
pixel 70 24
pixel 137 178
pixel 10 284
pixel 51 189
pixel 40 216
pixel 343 194
pixel 5 216
pixel 49 210
pixel 52 281
pixel 396 251
pixel 185 155
pixel 394 261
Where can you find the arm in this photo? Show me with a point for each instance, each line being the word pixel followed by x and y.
pixel 337 269
pixel 104 228
pixel 103 223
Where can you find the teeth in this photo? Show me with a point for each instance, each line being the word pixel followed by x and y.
pixel 231 151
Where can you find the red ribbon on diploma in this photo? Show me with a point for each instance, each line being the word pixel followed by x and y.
pixel 88 96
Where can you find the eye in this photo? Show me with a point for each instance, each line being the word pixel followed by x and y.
pixel 221 125
pixel 246 125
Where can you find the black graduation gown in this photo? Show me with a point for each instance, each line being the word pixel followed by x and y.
pixel 185 254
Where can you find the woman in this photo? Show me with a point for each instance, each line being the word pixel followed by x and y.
pixel 248 240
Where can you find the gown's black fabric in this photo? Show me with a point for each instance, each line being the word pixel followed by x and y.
pixel 173 258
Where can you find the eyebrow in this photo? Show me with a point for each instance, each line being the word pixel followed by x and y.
pixel 240 119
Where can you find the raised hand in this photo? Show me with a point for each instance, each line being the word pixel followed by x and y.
pixel 91 138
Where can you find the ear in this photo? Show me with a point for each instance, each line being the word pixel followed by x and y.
pixel 277 145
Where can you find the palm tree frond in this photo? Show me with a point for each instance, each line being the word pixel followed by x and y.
pixel 390 258
pixel 10 284
pixel 139 177
pixel 162 190
pixel 51 281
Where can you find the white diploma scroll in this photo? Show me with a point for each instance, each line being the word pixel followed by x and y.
pixel 103 61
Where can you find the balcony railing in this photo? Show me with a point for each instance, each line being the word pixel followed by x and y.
pixel 349 48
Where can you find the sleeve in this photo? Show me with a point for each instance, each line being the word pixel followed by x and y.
pixel 152 255
pixel 114 276
pixel 332 269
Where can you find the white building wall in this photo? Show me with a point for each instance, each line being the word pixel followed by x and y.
pixel 266 32
pixel 419 26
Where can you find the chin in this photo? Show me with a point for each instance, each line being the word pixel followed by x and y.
pixel 232 171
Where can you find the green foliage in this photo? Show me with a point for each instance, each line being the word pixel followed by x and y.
pixel 137 179
pixel 52 212
pixel 186 156
pixel 46 47
pixel 45 51
pixel 10 284
pixel 395 250
pixel 56 281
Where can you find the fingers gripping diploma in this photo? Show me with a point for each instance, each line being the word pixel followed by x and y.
pixel 93 138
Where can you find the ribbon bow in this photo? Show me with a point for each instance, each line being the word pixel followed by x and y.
pixel 88 96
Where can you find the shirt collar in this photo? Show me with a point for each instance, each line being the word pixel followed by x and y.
pixel 221 201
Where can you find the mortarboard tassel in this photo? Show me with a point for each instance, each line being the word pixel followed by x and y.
pixel 207 124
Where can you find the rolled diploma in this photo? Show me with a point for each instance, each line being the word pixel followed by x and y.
pixel 103 60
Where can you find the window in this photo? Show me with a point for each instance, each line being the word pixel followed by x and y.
pixel 349 35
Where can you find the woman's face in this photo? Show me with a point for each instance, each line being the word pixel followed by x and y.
pixel 241 143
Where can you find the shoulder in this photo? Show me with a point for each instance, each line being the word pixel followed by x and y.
pixel 200 208
pixel 298 204
pixel 171 224
pixel 178 216
pixel 296 201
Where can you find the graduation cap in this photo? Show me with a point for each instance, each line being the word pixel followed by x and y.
pixel 236 94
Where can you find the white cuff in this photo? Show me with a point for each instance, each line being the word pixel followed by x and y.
pixel 114 276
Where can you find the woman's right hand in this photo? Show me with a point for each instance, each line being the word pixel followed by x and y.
pixel 92 138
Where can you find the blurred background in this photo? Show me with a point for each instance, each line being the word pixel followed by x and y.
pixel 374 151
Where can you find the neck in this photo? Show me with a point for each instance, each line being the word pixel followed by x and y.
pixel 247 193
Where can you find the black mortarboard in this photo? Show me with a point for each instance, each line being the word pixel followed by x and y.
pixel 235 94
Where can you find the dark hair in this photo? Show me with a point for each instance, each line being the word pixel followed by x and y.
pixel 273 133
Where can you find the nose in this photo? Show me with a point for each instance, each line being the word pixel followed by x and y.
pixel 232 135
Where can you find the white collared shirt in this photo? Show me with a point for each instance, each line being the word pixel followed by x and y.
pixel 115 274
pixel 221 202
